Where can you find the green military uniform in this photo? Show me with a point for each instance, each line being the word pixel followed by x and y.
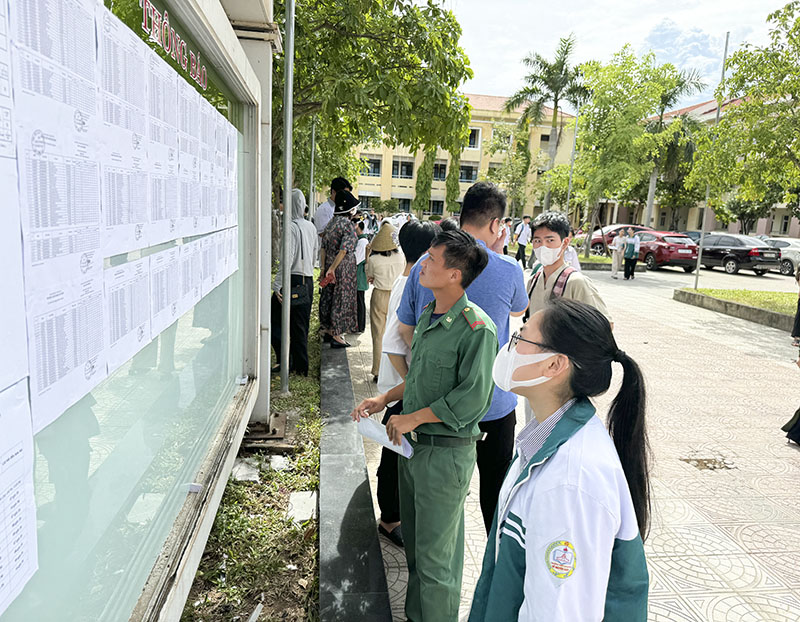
pixel 450 372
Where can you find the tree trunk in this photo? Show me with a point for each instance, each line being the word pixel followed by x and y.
pixel 587 245
pixel 651 196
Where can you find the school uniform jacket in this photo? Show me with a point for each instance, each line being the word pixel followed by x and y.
pixel 565 544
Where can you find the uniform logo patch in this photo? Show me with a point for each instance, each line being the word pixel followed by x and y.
pixel 561 559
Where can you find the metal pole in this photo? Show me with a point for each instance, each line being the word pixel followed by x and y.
pixel 312 204
pixel 572 159
pixel 288 183
pixel 708 186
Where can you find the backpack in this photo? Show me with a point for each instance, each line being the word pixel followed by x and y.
pixel 558 289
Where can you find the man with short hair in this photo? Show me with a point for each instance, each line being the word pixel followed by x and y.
pixel 522 235
pixel 447 390
pixel 500 291
pixel 507 226
pixel 324 212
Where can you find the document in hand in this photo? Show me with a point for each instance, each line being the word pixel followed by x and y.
pixel 377 432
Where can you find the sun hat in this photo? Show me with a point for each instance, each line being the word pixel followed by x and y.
pixel 345 203
pixel 386 239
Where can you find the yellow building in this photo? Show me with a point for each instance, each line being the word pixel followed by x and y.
pixel 391 172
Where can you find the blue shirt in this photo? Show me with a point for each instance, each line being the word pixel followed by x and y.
pixel 499 290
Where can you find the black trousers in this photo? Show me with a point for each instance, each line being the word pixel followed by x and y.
pixel 630 267
pixel 299 317
pixel 388 488
pixel 796 327
pixel 361 307
pixel 521 253
pixel 505 250
pixel 495 453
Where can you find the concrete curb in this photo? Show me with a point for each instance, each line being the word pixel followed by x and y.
pixel 607 266
pixel 352 579
pixel 773 319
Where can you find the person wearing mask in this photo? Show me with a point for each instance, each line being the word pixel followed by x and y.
pixel 362 285
pixel 567 540
pixel 522 235
pixel 446 392
pixel 415 238
pixel 338 308
pixel 303 248
pixel 616 247
pixel 324 212
pixel 500 291
pixel 631 253
pixel 384 265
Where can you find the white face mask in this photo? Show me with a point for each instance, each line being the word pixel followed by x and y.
pixel 547 256
pixel 509 361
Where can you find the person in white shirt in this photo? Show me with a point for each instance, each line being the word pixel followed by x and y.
pixel 522 235
pixel 570 254
pixel 509 235
pixel 324 212
pixel 415 238
pixel 616 247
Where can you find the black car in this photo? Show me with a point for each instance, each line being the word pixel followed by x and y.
pixel 695 235
pixel 733 252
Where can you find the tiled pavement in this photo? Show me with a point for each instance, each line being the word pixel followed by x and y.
pixel 724 543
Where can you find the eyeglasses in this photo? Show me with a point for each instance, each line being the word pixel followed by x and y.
pixel 516 338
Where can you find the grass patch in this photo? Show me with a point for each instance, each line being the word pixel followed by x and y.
pixel 254 551
pixel 782 302
pixel 594 258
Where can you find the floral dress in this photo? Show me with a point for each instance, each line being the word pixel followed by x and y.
pixel 337 302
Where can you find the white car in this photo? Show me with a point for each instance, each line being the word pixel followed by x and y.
pixel 399 219
pixel 790 253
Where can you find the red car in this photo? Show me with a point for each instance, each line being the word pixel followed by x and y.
pixel 609 233
pixel 667 248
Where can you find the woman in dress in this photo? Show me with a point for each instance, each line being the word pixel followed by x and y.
pixel 337 301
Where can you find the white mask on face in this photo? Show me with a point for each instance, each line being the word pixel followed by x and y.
pixel 509 361
pixel 547 256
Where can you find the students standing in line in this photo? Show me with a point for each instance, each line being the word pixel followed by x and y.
pixel 500 291
pixel 415 239
pixel 384 265
pixel 446 392
pixel 522 235
pixel 631 253
pixel 566 543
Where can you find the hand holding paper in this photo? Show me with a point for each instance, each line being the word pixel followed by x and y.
pixel 373 430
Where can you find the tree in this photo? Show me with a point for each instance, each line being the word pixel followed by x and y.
pixel 370 71
pixel 512 173
pixel 757 142
pixel 548 82
pixel 452 184
pixel 613 148
pixel 676 86
pixel 748 211
pixel 557 179
pixel 422 196
pixel 673 191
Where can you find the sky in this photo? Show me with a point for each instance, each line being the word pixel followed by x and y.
pixel 498 34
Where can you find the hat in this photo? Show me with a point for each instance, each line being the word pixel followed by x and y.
pixel 386 239
pixel 345 203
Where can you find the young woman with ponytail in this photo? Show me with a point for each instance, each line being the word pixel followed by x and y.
pixel 567 538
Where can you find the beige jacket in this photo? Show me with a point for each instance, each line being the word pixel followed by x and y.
pixel 384 270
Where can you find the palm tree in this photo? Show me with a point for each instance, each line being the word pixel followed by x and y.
pixel 548 82
pixel 687 82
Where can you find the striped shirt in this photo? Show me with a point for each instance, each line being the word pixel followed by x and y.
pixel 532 437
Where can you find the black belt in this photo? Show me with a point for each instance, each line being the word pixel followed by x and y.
pixel 443 441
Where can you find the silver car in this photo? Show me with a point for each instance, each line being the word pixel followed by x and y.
pixel 790 253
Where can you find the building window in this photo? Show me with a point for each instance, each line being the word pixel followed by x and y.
pixel 437 207
pixel 402 169
pixel 544 139
pixel 785 225
pixel 474 138
pixel 439 171
pixel 468 172
pixel 662 221
pixel 404 205
pixel 372 168
pixel 368 203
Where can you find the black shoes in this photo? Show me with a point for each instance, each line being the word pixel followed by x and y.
pixel 395 536
pixel 339 344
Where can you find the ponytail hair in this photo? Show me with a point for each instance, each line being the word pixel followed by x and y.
pixel 584 335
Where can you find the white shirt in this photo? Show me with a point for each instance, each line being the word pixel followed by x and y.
pixel 361 250
pixel 571 257
pixel 303 249
pixel 323 216
pixel 393 343
pixel 523 233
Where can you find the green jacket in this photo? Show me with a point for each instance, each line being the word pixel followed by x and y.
pixel 451 368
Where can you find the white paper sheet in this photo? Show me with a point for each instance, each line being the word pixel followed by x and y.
pixel 7 144
pixel 65 346
pixel 208 263
pixel 377 432
pixel 127 310
pixel 165 289
pixel 191 277
pixel 18 546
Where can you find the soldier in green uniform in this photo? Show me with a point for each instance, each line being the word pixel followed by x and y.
pixel 446 392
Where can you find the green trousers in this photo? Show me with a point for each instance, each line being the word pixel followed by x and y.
pixel 433 486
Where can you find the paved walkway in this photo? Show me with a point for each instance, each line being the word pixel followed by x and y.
pixel 725 542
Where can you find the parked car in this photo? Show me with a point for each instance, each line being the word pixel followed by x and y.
pixel 609 233
pixel 667 248
pixel 695 235
pixel 401 218
pixel 732 252
pixel 790 253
